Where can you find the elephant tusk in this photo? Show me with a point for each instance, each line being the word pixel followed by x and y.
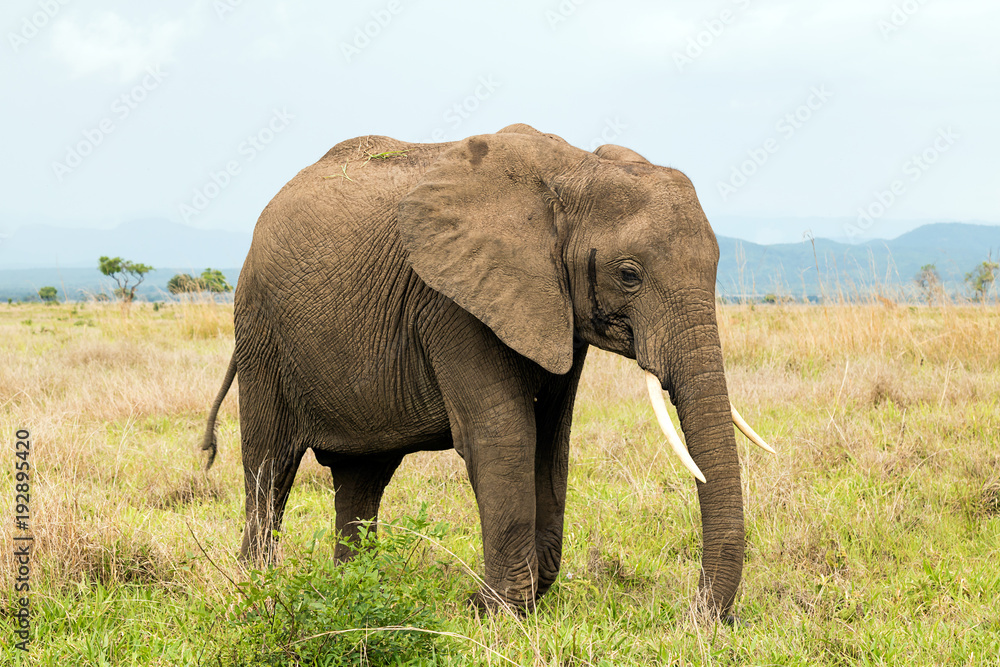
pixel 749 432
pixel 662 416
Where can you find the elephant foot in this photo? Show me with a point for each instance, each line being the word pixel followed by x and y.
pixel 735 622
pixel 489 603
pixel 257 552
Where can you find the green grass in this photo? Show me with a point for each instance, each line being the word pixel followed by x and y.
pixel 873 538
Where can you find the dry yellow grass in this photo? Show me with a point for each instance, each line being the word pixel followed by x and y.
pixel 886 419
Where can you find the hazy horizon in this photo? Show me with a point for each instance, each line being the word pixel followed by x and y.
pixel 893 229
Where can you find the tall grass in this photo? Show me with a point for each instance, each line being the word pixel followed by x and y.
pixel 872 538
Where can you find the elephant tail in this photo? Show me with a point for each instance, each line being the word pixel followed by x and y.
pixel 208 442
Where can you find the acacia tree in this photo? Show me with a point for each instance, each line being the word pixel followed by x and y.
pixel 982 278
pixel 47 294
pixel 215 281
pixel 126 274
pixel 928 280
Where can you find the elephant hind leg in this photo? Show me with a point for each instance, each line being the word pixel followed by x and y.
pixel 358 486
pixel 272 450
pixel 268 483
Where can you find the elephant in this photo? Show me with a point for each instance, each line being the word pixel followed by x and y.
pixel 400 297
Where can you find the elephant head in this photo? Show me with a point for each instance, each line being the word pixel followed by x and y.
pixel 544 242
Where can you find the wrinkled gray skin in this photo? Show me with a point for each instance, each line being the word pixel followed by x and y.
pixel 445 296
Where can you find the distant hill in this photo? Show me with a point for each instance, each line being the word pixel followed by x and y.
pixel 30 256
pixel 791 268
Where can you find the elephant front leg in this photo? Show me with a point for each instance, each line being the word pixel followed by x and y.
pixel 550 506
pixel 358 486
pixel 553 418
pixel 503 479
pixel 489 392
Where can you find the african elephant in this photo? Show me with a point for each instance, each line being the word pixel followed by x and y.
pixel 401 297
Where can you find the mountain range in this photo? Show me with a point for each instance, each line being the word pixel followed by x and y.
pixel 38 255
pixel 821 266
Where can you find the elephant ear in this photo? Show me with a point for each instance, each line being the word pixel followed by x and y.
pixel 481 228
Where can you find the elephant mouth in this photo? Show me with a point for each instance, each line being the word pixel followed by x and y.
pixel 656 392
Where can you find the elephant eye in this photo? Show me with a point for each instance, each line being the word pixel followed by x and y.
pixel 630 277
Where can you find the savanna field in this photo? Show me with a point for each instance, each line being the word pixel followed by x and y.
pixel 873 537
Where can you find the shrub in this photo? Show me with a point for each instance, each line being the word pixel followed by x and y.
pixel 215 281
pixel 211 280
pixel 47 294
pixel 183 282
pixel 311 610
pixel 928 281
pixel 981 278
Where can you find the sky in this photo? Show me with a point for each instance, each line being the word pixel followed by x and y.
pixel 854 119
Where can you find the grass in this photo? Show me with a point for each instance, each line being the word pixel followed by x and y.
pixel 873 538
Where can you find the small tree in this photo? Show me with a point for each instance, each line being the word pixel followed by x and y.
pixel 47 294
pixel 211 280
pixel 214 281
pixel 982 277
pixel 127 275
pixel 183 282
pixel 928 281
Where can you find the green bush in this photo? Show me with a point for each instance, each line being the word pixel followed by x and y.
pixel 311 611
pixel 183 282
pixel 211 280
pixel 215 281
pixel 981 278
pixel 48 294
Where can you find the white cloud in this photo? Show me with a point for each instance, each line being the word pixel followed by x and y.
pixel 112 43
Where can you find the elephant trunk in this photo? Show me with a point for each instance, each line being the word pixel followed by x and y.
pixel 697 384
